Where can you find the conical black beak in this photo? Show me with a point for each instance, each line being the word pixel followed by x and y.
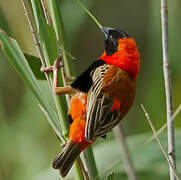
pixel 105 31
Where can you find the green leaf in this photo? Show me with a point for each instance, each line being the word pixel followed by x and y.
pixel 48 41
pixel 19 62
pixel 35 65
pixel 110 176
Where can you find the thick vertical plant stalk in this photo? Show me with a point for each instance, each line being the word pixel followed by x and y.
pixel 87 167
pixel 78 172
pixel 119 133
pixel 168 91
pixel 85 173
pixel 90 163
pixel 37 43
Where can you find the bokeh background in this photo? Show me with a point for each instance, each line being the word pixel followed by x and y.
pixel 27 142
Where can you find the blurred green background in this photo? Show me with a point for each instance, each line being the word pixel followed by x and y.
pixel 27 142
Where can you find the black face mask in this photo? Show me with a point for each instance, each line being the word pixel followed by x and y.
pixel 111 39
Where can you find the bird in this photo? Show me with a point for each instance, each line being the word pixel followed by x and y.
pixel 104 94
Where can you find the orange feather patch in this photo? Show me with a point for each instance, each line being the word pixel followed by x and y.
pixel 78 113
pixel 77 130
pixel 78 105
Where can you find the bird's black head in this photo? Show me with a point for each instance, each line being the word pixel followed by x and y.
pixel 111 39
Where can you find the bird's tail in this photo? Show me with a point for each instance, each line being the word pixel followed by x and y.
pixel 67 157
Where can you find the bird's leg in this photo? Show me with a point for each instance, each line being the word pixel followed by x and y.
pixel 58 90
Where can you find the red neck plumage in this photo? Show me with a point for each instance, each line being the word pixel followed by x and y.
pixel 127 57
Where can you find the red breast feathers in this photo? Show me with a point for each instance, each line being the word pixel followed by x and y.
pixel 126 57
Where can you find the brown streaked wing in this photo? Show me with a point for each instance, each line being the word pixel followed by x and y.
pixel 99 105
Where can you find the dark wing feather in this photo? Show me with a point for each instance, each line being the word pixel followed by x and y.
pixel 109 83
pixel 100 119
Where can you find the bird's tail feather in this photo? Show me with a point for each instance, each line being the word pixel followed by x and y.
pixel 66 158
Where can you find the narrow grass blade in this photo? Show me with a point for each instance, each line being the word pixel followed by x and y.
pixel 90 14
